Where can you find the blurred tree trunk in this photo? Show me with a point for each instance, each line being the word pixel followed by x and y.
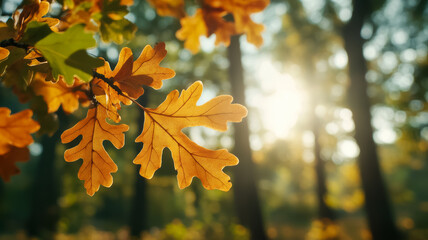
pixel 244 184
pixel 138 215
pixel 324 211
pixel 379 213
pixel 44 212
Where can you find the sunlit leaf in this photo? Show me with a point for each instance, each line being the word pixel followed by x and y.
pixel 15 129
pixel 162 128
pixel 130 76
pixel 66 52
pixel 192 28
pixel 97 165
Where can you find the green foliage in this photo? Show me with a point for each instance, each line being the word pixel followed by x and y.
pixel 65 52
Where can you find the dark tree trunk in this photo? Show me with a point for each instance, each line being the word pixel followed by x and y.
pixel 377 205
pixel 138 215
pixel 244 183
pixel 324 211
pixel 44 213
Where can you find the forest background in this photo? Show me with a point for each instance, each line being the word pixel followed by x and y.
pixel 311 173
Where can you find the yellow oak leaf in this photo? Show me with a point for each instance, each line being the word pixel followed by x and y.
pixel 192 28
pixel 59 93
pixel 15 129
pixel 174 8
pixel 8 160
pixel 4 53
pixel 162 128
pixel 97 165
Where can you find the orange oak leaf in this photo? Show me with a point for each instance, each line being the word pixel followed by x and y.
pixel 4 53
pixel 8 160
pixel 216 24
pixel 59 93
pixel 129 76
pixel 97 165
pixel 33 11
pixel 174 8
pixel 241 11
pixel 15 129
pixel 162 128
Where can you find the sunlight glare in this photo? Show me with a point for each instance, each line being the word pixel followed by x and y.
pixel 282 100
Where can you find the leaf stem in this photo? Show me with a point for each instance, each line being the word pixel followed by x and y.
pixel 12 42
pixel 110 82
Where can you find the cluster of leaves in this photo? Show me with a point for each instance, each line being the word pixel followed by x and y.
pixel 223 18
pixel 45 61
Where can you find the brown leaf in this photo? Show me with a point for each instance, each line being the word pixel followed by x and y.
pixel 33 11
pixel 8 160
pixel 97 165
pixel 15 129
pixel 162 128
pixel 130 76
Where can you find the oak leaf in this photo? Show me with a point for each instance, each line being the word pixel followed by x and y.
pixel 174 8
pixel 129 76
pixel 192 28
pixel 241 11
pixel 97 165
pixel 8 160
pixel 33 12
pixel 15 129
pixel 65 51
pixel 4 53
pixel 162 128
pixel 59 93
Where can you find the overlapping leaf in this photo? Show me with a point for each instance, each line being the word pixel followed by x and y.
pixel 162 128
pixel 34 11
pixel 15 129
pixel 209 19
pixel 56 94
pixel 192 28
pixel 97 165
pixel 241 11
pixel 174 8
pixel 8 167
pixel 129 76
pixel 65 52
pixel 105 16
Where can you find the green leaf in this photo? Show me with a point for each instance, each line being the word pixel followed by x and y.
pixel 113 24
pixel 35 32
pixel 117 30
pixel 6 30
pixel 66 53
pixel 14 70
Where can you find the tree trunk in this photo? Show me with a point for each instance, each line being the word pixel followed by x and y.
pixel 324 211
pixel 379 213
pixel 138 215
pixel 44 213
pixel 244 183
